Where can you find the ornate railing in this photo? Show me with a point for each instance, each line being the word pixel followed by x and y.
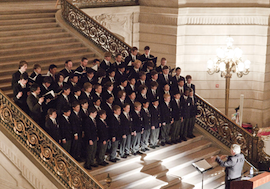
pixel 43 148
pixel 92 30
pixel 226 131
pixel 102 3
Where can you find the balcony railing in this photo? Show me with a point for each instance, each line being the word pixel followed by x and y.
pixel 210 118
pixel 43 148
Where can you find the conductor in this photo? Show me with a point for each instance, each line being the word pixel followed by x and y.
pixel 234 164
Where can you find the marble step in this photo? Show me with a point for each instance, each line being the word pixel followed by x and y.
pixel 52 53
pixel 216 184
pixel 40 48
pixel 16 30
pixel 16 16
pixel 19 22
pixel 28 11
pixel 158 171
pixel 171 180
pixel 51 39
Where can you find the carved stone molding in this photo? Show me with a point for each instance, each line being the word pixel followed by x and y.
pixel 169 19
pixel 25 171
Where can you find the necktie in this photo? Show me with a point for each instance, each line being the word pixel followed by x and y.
pixel 95 123
pixel 128 117
pixel 154 93
pixel 118 119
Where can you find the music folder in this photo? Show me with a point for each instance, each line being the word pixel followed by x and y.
pixel 202 165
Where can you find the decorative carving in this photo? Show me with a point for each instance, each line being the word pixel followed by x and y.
pixel 43 148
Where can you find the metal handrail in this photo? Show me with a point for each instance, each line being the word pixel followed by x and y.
pixel 43 148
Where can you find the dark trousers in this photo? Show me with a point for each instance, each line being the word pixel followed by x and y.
pixel 113 149
pixel 145 139
pixel 191 126
pixel 135 142
pixel 101 150
pixel 184 127
pixel 76 147
pixel 164 132
pixel 175 130
pixel 91 153
pixel 67 146
pixel 154 136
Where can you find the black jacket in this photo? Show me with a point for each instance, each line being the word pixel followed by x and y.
pixel 90 129
pixel 166 113
pixel 53 130
pixel 155 116
pixel 137 121
pixel 65 128
pixel 146 119
pixel 102 130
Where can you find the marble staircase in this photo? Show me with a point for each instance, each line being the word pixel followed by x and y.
pixel 165 167
pixel 34 35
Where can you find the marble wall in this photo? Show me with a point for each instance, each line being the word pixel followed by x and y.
pixel 187 33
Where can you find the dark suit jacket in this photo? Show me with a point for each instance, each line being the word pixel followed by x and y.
pixel 104 66
pixel 90 129
pixel 38 78
pixel 129 58
pixel 119 103
pixel 234 165
pixel 185 107
pixel 76 123
pixel 140 98
pixel 89 99
pixel 166 113
pixel 108 110
pixel 192 86
pixel 66 73
pixel 175 81
pixel 21 102
pixel 106 94
pixel 115 128
pixel 151 97
pixel 65 128
pixel 85 79
pixel 62 102
pixel 53 130
pixel 133 73
pixel 126 125
pixel 15 78
pixel 146 119
pixel 143 58
pixel 102 130
pixel 137 121
pixel 176 110
pixel 129 89
pixel 130 103
pixel 106 79
pixel 194 110
pixel 34 107
pixel 161 80
pixel 118 77
pixel 155 116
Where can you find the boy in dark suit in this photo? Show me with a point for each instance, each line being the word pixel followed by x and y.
pixel 126 121
pixel 134 72
pixel 163 63
pixel 76 94
pixel 76 124
pixel 166 119
pixel 185 113
pixel 65 128
pixel 115 131
pixel 142 94
pixel 118 61
pixel 35 76
pixel 97 91
pixel 177 76
pixel 20 92
pixel 155 123
pixel 193 114
pixel 83 67
pixel 108 106
pixel 16 76
pixel 153 93
pixel 176 113
pixel 52 126
pixel 91 137
pixel 137 121
pixel 64 99
pixel 67 71
pixel 165 77
pixel 121 99
pixel 189 84
pixel 120 74
pixel 146 126
pixel 142 79
pixel 131 99
pixel 103 134
pixel 107 90
pixel 146 56
pixel 106 64
pixel 86 94
pixel 110 77
pixel 89 77
pixel 131 86
pixel 129 60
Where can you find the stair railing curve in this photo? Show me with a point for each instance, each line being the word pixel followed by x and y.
pixel 43 148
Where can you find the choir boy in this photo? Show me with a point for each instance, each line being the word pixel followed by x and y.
pixel 134 72
pixel 46 85
pixel 118 61
pixel 193 114
pixel 115 131
pixel 59 78
pixel 142 93
pixel 76 124
pixel 83 67
pixel 76 94
pixel 126 121
pixel 131 85
pixel 73 81
pixel 97 103
pixel 91 137
pixel 146 56
pixel 97 91
pixel 67 71
pixel 133 56
pixel 103 135
pixel 120 74
pixel 154 77
pixel 106 64
pixel 16 76
pixel 35 76
pixel 131 99
pixel 153 92
pixel 142 79
pixel 52 126
pixel 65 128
pixel 86 93
pixel 121 87
pixel 189 84
pixel 163 63
pixel 176 114
pixel 89 77
pixel 180 86
pixel 107 90
pixel 186 106
pixel 20 92
pixel 146 126
pixel 137 126
pixel 165 77
pixel 95 65
pixel 177 76
pixel 121 99
pixel 110 77
pixel 155 123
pixel 84 108
pixel 166 119
pixel 63 99
pixel 108 106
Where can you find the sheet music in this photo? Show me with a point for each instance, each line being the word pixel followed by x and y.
pixel 202 165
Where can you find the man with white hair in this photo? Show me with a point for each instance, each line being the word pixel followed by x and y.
pixel 234 164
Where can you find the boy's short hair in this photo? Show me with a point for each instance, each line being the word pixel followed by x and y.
pixel 116 107
pixel 83 59
pixel 146 48
pixel 134 49
pixel 188 77
pixel 107 54
pixel 83 101
pixel 74 104
pixel 166 96
pixel 142 87
pixel 24 76
pixel 87 85
pixel 101 112
pixel 34 87
pixel 76 89
pixel 47 79
pixel 36 66
pixel 66 87
pixel 92 110
pixel 66 109
pixel 141 73
pixel 165 68
pixel 125 105
pixel 137 104
pixel 22 63
pixel 97 86
pixel 153 84
pixel 120 93
pixel 153 72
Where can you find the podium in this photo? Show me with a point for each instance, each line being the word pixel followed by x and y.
pixel 261 181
